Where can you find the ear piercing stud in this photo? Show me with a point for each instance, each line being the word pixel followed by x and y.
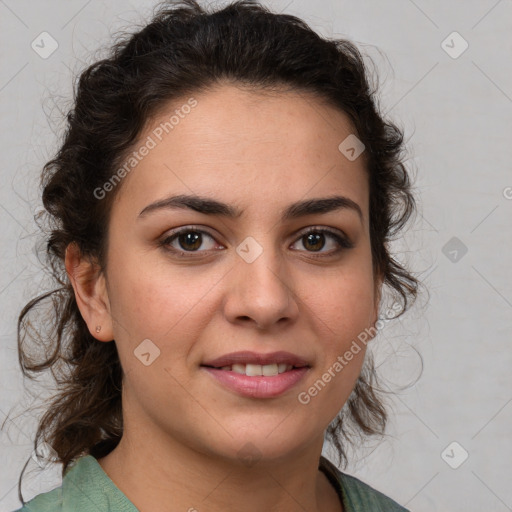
pixel 98 328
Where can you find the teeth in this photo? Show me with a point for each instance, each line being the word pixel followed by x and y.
pixel 254 370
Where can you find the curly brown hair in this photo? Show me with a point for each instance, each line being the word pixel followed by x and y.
pixel 186 49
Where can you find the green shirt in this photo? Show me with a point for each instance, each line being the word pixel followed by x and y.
pixel 87 488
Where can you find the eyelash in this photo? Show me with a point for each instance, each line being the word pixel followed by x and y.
pixel 342 241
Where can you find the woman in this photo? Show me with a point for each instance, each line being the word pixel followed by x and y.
pixel 220 209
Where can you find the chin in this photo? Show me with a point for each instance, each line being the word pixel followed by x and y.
pixel 260 445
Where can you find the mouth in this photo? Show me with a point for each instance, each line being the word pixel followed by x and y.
pixel 255 364
pixel 257 370
pixel 258 375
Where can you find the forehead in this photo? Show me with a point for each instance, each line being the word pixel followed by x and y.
pixel 243 146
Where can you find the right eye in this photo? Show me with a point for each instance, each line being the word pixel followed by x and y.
pixel 188 239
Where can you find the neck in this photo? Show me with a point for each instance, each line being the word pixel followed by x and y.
pixel 180 478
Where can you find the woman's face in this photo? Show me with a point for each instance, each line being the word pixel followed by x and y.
pixel 253 281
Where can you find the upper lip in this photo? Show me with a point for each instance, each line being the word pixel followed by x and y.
pixel 247 357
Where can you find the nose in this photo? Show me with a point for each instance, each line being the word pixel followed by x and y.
pixel 261 293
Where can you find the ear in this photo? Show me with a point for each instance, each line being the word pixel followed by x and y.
pixel 91 294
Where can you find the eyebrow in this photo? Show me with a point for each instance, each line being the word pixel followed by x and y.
pixel 210 206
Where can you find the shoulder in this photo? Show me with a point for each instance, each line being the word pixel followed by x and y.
pixel 366 497
pixel 85 488
pixel 50 501
pixel 358 496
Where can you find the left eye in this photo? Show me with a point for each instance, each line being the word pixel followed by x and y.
pixel 191 240
pixel 315 239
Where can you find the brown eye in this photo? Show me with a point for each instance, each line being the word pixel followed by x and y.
pixel 315 239
pixel 187 240
pixel 190 240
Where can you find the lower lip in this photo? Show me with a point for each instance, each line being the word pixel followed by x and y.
pixel 258 387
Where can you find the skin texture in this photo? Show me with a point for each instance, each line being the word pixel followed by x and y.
pixel 182 429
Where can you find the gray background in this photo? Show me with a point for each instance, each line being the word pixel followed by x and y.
pixel 457 115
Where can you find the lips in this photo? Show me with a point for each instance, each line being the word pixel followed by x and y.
pixel 247 357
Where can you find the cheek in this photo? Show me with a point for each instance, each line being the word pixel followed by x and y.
pixel 152 299
pixel 344 304
pixel 343 314
pixel 169 306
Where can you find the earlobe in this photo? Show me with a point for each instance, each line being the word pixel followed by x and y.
pixel 91 294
